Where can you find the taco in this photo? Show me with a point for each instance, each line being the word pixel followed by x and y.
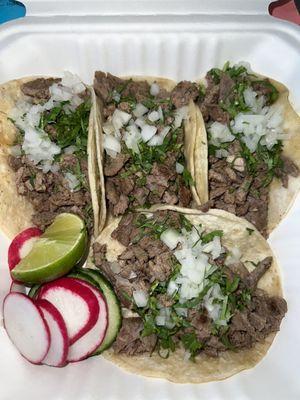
pixel 48 156
pixel 253 138
pixel 146 142
pixel 200 292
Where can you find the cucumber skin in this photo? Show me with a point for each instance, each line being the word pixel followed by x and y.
pixel 34 291
pixel 98 277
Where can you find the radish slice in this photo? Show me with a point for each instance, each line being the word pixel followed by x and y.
pixel 26 327
pixel 21 245
pixel 77 304
pixel 58 351
pixel 89 342
pixel 17 288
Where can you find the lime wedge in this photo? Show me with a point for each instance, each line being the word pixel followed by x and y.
pixel 55 252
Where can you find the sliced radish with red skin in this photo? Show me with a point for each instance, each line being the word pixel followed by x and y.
pixel 26 327
pixel 77 304
pixel 58 350
pixel 17 288
pixel 89 342
pixel 21 245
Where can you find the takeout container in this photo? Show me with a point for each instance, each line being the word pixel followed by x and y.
pixel 180 40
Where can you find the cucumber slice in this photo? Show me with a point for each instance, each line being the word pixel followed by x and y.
pixel 114 309
pixel 81 274
pixel 34 291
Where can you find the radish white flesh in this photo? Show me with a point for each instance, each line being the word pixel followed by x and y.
pixel 21 245
pixel 26 327
pixel 17 288
pixel 89 342
pixel 77 304
pixel 58 351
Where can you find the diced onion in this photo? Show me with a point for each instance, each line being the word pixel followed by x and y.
pixel 170 238
pixel 72 180
pixel 140 110
pixel 154 89
pixel 156 140
pixel 115 267
pixel 180 115
pixel 160 320
pixel 111 143
pixel 179 168
pixel 140 122
pixel 153 116
pixel 148 131
pixel 120 119
pixel 172 288
pixel 70 149
pixel 140 297
pixel 234 256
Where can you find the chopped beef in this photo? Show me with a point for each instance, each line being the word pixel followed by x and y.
pixel 160 267
pixel 140 195
pixel 236 191
pixel 289 168
pixel 104 84
pixel 49 193
pixel 15 163
pixel 184 195
pixel 216 113
pixel 183 92
pixel 38 89
pixel 125 231
pixel 152 246
pixel 252 279
pixel 262 317
pixel 226 86
pixel 239 268
pixel 121 206
pixel 130 341
pixel 99 253
pixel 113 165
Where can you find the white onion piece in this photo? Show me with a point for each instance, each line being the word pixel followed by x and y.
pixel 153 116
pixel 160 112
pixel 108 128
pixel 120 119
pixel 156 141
pixel 70 149
pixel 179 168
pixel 140 122
pixel 234 256
pixel 170 238
pixel 111 143
pixel 148 131
pixel 180 115
pixel 72 180
pixel 172 288
pixel 140 110
pixel 160 320
pixel 165 131
pixel 132 136
pixel 140 297
pixel 154 89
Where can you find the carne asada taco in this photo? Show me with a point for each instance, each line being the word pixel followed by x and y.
pixel 48 156
pixel 146 140
pixel 253 138
pixel 200 292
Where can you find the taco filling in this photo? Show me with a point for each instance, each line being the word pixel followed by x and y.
pixel 49 156
pixel 185 289
pixel 246 139
pixel 144 142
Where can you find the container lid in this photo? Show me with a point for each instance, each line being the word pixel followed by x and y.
pixel 145 7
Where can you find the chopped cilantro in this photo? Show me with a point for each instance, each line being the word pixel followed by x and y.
pixel 208 237
pixel 192 344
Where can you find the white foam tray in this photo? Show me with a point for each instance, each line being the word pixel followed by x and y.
pixel 177 46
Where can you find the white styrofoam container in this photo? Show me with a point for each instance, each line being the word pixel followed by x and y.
pixel 181 40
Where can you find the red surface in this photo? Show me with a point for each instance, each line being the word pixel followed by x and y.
pixel 285 9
